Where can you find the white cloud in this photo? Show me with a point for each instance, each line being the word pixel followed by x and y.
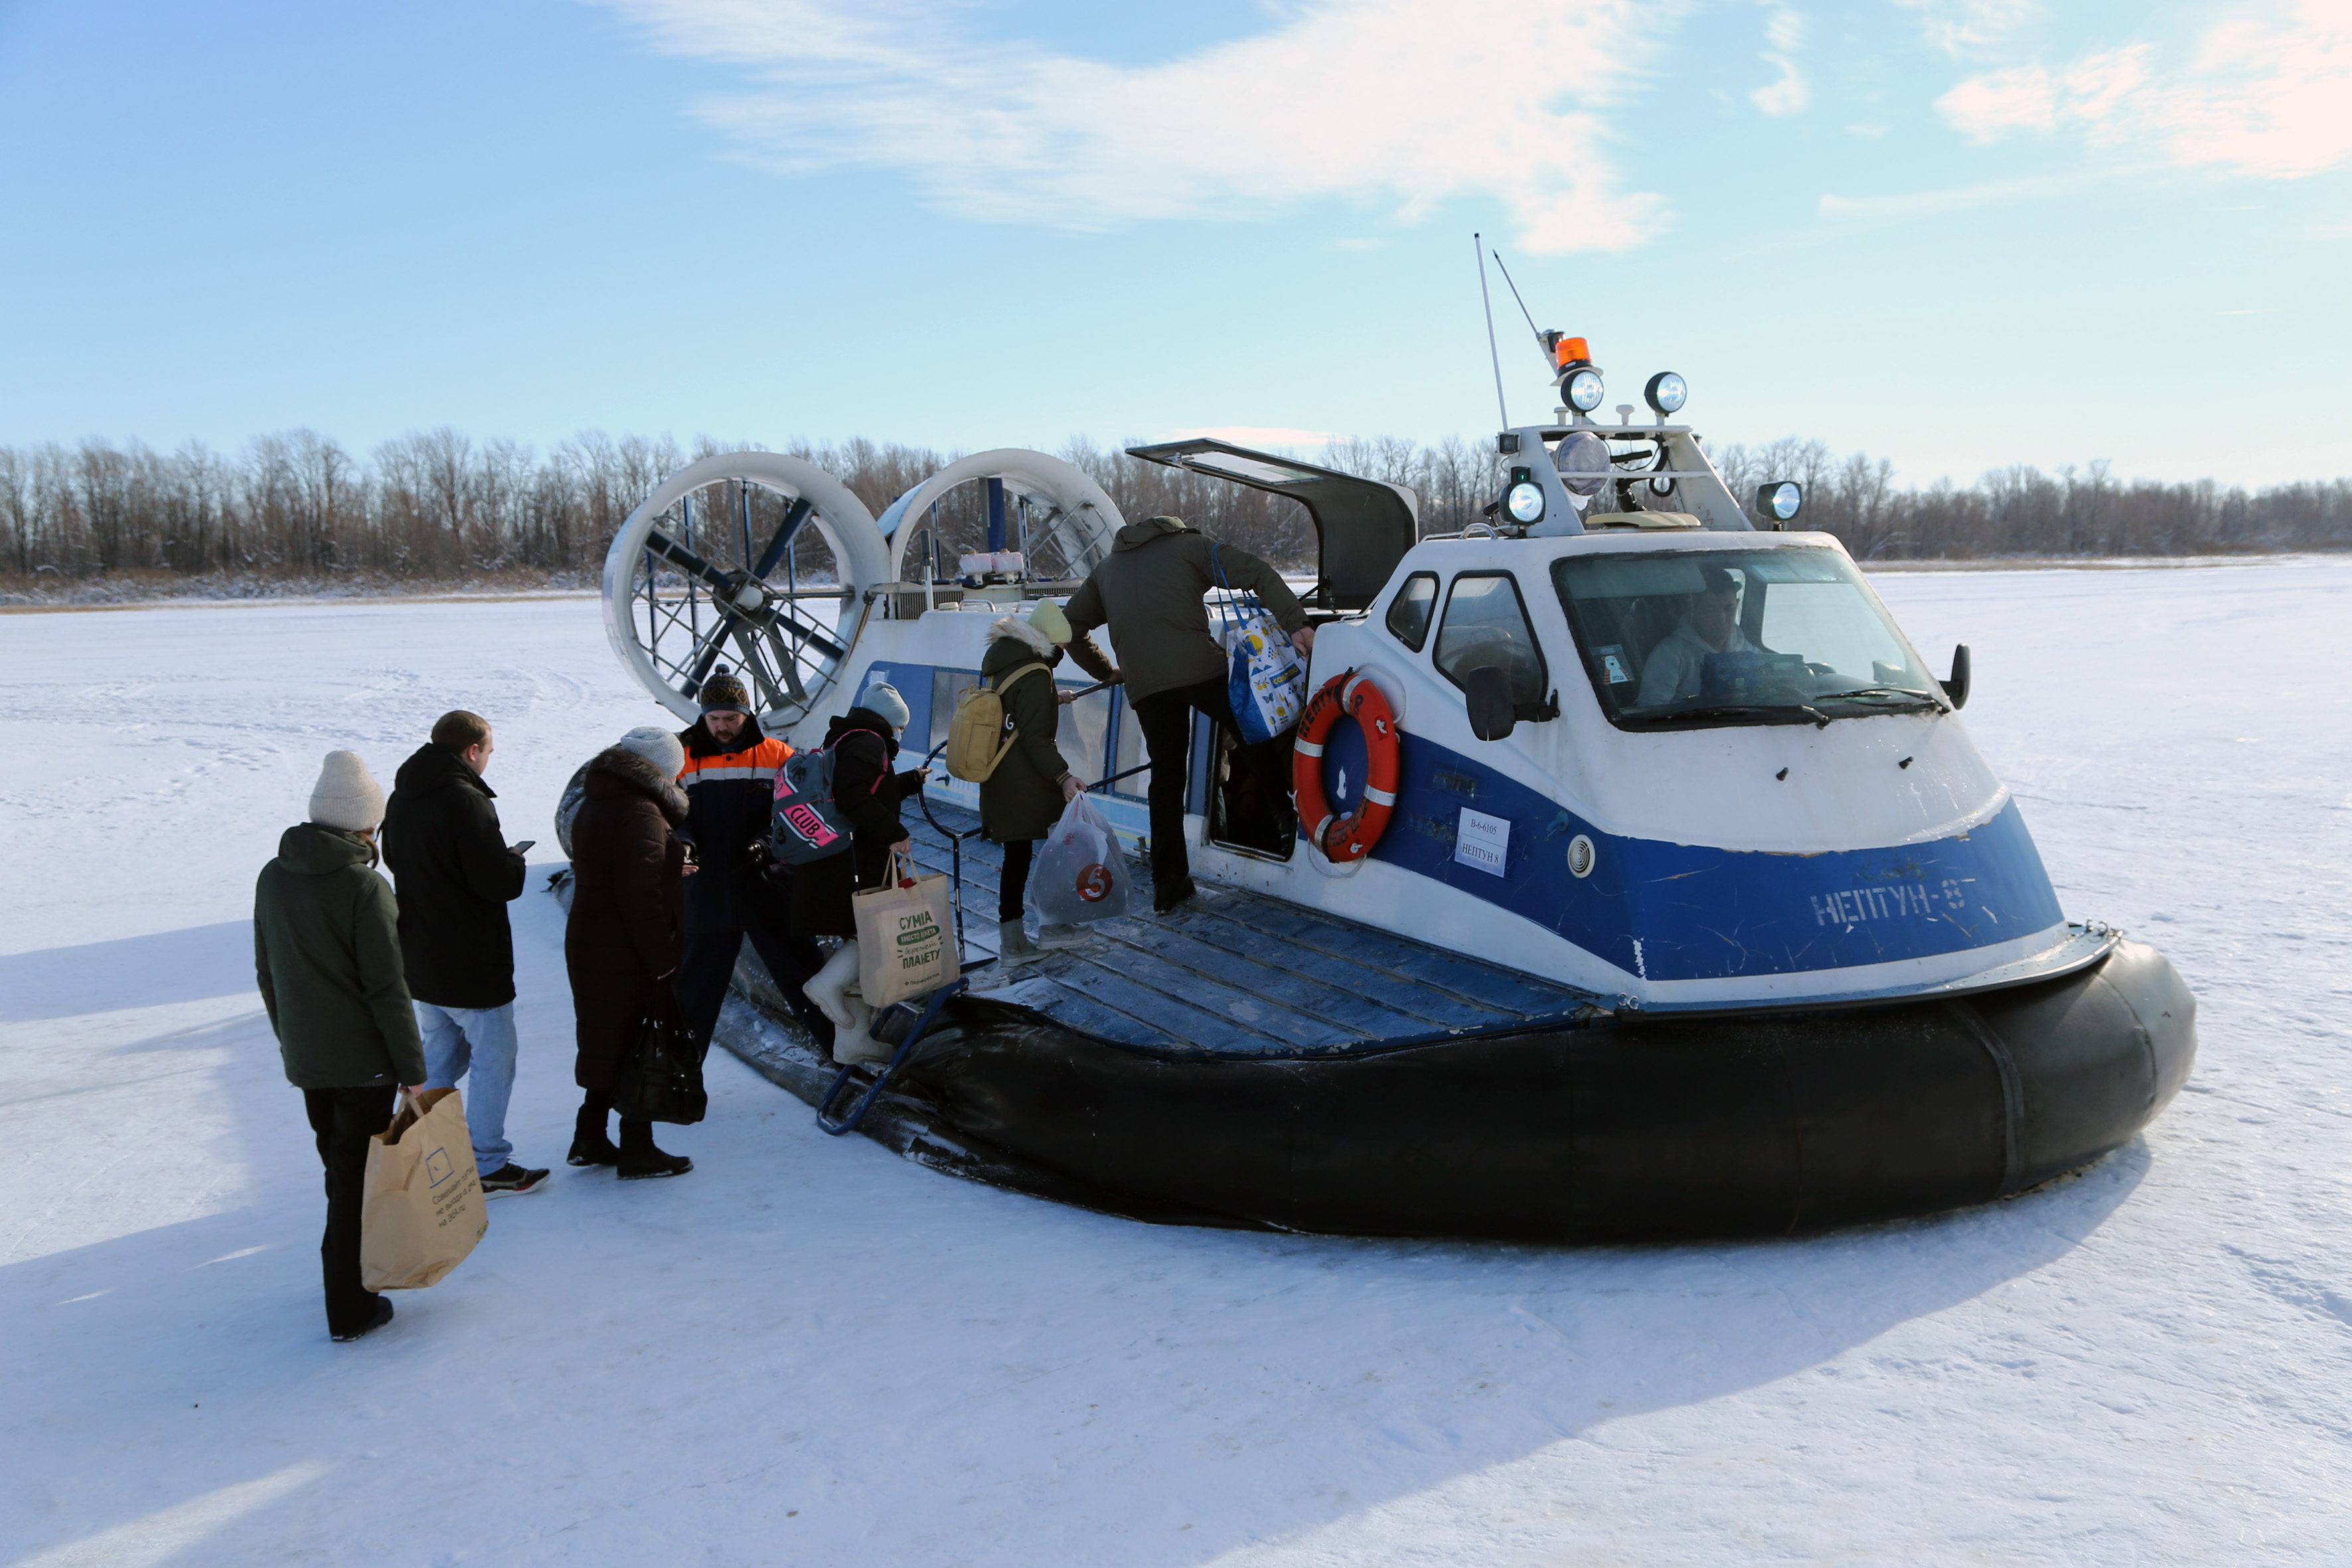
pixel 1402 104
pixel 1786 94
pixel 1966 27
pixel 2270 97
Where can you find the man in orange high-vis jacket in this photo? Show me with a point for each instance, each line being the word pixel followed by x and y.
pixel 730 780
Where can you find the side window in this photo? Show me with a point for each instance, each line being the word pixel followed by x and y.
pixel 1486 623
pixel 1409 611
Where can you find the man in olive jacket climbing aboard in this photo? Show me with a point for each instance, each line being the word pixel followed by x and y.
pixel 326 952
pixel 1152 591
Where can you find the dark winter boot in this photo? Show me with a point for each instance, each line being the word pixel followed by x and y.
pixel 641 1160
pixel 589 1144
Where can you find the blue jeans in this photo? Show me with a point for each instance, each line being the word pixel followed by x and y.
pixel 481 1039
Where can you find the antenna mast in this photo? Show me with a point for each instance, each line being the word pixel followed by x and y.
pixel 1541 347
pixel 1478 244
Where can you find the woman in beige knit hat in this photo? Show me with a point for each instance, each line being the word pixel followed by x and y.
pixel 326 940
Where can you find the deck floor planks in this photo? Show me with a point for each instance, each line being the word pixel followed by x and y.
pixel 1238 972
pixel 1268 973
pixel 1436 1006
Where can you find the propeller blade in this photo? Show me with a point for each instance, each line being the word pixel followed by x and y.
pixel 794 515
pixel 678 555
pixel 788 666
pixel 769 695
pixel 707 655
pixel 808 636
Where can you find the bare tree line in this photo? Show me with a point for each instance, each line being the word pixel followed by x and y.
pixel 437 506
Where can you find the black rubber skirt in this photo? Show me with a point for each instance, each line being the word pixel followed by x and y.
pixel 1640 1128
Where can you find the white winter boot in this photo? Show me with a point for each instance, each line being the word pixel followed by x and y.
pixel 829 986
pixel 833 989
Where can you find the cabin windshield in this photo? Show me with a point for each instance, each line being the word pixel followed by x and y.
pixel 1681 639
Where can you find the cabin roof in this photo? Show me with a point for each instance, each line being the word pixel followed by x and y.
pixel 1363 527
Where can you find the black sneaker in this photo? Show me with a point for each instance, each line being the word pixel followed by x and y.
pixel 1165 899
pixel 383 1316
pixel 512 1178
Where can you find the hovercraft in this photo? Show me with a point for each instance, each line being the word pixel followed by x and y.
pixel 1644 880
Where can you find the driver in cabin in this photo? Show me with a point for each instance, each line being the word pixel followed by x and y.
pixel 1710 624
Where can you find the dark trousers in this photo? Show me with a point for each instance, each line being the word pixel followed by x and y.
pixel 344 1120
pixel 715 929
pixel 1012 882
pixel 1166 719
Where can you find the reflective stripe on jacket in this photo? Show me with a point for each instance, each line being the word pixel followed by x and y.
pixel 731 796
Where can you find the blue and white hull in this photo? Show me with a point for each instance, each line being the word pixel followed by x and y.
pixel 1696 910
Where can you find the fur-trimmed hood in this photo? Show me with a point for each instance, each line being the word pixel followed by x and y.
pixel 621 770
pixel 1017 628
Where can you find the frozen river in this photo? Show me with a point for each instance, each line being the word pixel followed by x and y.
pixel 809 1352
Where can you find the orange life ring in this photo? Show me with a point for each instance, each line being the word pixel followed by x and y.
pixel 1349 837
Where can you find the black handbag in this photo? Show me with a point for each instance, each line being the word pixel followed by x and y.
pixel 661 1077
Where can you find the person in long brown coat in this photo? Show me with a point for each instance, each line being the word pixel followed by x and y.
pixel 623 943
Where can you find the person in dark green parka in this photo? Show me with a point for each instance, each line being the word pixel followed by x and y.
pixel 1022 800
pixel 326 953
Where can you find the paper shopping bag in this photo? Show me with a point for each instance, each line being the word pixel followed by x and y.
pixel 423 1209
pixel 906 935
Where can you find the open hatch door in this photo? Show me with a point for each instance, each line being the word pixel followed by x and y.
pixel 1363 527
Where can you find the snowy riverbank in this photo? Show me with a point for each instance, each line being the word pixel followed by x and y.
pixel 810 1352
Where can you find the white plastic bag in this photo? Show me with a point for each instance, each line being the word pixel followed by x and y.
pixel 1082 873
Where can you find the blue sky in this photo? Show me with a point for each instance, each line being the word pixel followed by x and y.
pixel 1954 233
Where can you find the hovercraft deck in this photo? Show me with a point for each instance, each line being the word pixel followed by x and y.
pixel 1235 973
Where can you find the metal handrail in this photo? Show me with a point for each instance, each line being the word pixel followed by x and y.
pixel 837 1125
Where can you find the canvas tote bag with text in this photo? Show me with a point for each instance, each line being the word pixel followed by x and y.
pixel 906 935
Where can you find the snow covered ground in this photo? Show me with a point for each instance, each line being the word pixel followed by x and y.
pixel 809 1352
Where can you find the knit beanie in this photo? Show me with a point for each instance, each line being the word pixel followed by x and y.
pixel 346 797
pixel 724 694
pixel 882 701
pixel 659 747
pixel 1047 617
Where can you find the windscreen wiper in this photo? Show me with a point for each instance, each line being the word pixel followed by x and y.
pixel 1914 698
pixel 1755 712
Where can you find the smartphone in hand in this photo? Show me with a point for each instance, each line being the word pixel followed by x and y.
pixel 522 847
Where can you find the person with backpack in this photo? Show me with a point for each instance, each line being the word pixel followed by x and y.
pixel 1025 781
pixel 867 796
pixel 1152 591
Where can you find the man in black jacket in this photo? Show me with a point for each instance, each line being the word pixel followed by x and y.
pixel 456 877
pixel 730 790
